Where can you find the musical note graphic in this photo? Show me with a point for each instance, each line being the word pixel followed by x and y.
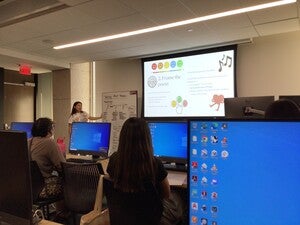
pixel 225 61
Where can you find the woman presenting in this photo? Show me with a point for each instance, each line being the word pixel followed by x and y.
pixel 77 115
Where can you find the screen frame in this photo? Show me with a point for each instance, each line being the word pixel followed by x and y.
pixel 95 154
pixel 240 103
pixel 184 54
pixel 170 159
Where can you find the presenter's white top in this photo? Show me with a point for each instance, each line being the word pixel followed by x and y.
pixel 79 117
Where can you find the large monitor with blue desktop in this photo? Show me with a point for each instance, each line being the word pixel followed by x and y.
pixel 169 140
pixel 90 139
pixel 15 188
pixel 22 126
pixel 244 172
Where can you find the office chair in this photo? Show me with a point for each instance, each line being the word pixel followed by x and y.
pixel 80 182
pixel 132 208
pixel 37 183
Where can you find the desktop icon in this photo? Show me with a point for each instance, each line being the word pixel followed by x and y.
pixel 204 221
pixel 194 151
pixel 214 139
pixel 214 126
pixel 204 194
pixel 214 169
pixel 194 219
pixel 203 126
pixel 203 208
pixel 203 167
pixel 204 153
pixel 194 164
pixel 195 178
pixel 194 125
pixel 214 153
pixel 224 154
pixel 214 182
pixel 224 141
pixel 204 180
pixel 194 192
pixel 214 209
pixel 204 139
pixel 194 138
pixel 214 195
pixel 224 126
pixel 195 205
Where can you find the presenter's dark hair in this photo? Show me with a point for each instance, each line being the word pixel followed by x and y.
pixel 135 160
pixel 74 109
pixel 283 109
pixel 42 127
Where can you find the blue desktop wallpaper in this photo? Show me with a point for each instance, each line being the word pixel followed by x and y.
pixel 169 139
pixel 244 172
pixel 22 126
pixel 91 137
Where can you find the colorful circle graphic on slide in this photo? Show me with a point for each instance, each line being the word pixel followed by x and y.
pixel 179 104
pixel 154 66
pixel 167 64
pixel 180 63
pixel 160 65
pixel 173 64
pixel 152 81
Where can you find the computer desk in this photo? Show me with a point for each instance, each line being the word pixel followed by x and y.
pixel 176 178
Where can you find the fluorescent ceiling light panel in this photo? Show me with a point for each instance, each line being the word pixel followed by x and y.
pixel 179 23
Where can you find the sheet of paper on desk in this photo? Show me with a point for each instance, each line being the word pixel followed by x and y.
pixel 177 178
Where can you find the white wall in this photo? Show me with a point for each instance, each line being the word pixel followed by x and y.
pixel 268 66
pixel 80 85
pixel 44 99
pixel 118 75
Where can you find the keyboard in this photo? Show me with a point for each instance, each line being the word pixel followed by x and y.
pixel 175 167
pixel 79 160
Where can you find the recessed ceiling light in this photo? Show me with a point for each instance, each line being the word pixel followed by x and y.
pixel 179 23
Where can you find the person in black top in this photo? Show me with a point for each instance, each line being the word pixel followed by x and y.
pixel 133 164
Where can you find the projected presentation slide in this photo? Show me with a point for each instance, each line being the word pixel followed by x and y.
pixel 188 86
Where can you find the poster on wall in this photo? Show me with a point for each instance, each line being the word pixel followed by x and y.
pixel 118 107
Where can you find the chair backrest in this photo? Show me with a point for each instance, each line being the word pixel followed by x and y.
pixel 132 208
pixel 37 180
pixel 80 181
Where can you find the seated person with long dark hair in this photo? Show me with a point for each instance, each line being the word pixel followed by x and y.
pixel 134 164
pixel 45 151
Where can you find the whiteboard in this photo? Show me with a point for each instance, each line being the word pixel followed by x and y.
pixel 116 108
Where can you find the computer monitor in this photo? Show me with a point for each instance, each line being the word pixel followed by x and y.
pixel 15 188
pixel 169 140
pixel 90 139
pixel 247 107
pixel 22 126
pixel 294 98
pixel 244 172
